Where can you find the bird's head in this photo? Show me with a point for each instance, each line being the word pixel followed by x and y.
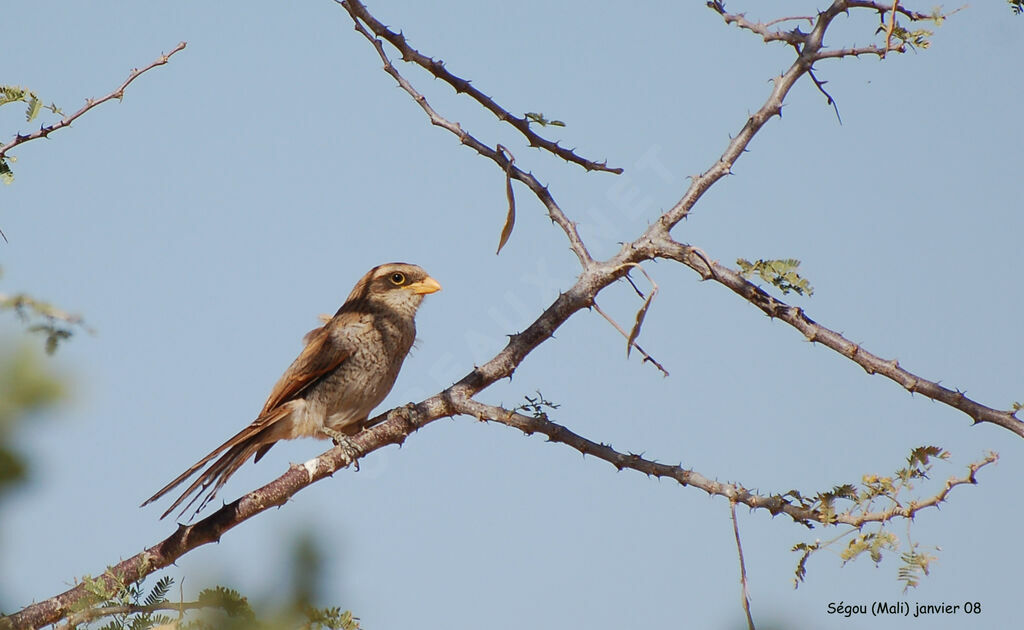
pixel 396 286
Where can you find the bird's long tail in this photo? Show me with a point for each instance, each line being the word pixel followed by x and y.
pixel 239 448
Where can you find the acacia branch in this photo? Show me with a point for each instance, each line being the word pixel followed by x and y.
pixel 393 428
pixel 815 332
pixel 493 153
pixel 89 104
pixel 655 242
pixel 809 49
pixel 794 37
pixel 884 7
pixel 91 614
pixel 461 86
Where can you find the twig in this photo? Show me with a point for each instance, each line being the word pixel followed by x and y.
pixel 743 566
pixel 815 332
pixel 630 341
pixel 90 614
pixel 734 492
pixel 89 104
pixel 892 27
pixel 462 86
pixel 883 7
pixel 542 193
pixel 821 88
pixel 803 18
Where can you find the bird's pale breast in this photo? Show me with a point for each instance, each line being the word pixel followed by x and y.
pixel 347 395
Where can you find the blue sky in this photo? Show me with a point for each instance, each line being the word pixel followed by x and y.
pixel 202 224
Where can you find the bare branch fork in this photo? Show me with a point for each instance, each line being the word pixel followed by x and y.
pixel 654 243
pixel 89 104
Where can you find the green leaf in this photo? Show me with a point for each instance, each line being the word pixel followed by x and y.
pixel 230 600
pixel 12 94
pixel 779 272
pixel 801 566
pixel 922 454
pixel 159 593
pixel 915 564
pixel 542 121
pixel 34 105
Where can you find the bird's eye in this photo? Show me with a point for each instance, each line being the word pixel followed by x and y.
pixel 397 278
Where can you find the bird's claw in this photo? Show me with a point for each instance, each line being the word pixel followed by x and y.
pixel 346 445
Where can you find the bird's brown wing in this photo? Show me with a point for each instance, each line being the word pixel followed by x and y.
pixel 320 356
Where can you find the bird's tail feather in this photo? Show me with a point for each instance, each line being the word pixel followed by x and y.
pixel 216 476
pixel 240 447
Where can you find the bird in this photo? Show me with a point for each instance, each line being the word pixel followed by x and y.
pixel 347 367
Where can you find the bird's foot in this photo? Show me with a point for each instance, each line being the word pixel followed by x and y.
pixel 346 445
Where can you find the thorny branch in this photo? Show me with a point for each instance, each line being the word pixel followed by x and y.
pixel 359 13
pixel 815 332
pixel 394 427
pixel 654 243
pixel 492 153
pixel 89 104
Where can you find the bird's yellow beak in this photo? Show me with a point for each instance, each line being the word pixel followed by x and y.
pixel 424 286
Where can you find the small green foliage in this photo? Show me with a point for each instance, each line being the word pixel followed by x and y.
pixel 914 564
pixel 6 174
pixel 333 618
pixel 920 456
pixel 1016 406
pixel 228 600
pixel 15 94
pixel 825 501
pixel 876 494
pixel 34 105
pixel 124 606
pixel 806 550
pixel 918 38
pixel 43 318
pixel 781 273
pixel 871 542
pixel 536 406
pixel 543 122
